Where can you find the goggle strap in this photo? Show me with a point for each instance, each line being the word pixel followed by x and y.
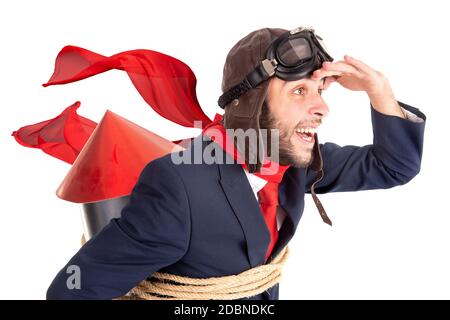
pixel 234 93
pixel 263 71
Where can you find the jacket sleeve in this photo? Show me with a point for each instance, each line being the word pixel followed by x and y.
pixel 153 232
pixel 393 159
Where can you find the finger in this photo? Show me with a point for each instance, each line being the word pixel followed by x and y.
pixel 358 64
pixel 340 66
pixel 321 73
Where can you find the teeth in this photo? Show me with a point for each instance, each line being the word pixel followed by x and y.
pixel 307 130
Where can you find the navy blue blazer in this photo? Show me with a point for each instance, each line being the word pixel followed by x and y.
pixel 203 220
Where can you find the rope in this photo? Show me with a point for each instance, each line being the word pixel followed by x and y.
pixel 165 286
pixel 246 284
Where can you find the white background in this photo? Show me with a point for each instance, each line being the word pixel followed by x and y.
pixel 385 244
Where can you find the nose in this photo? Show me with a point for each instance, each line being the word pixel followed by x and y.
pixel 318 107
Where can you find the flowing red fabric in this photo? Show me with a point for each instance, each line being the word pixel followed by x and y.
pixel 62 137
pixel 166 84
pixel 271 171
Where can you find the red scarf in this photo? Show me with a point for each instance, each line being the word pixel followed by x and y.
pixel 165 83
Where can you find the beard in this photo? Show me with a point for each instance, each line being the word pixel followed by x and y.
pixel 288 155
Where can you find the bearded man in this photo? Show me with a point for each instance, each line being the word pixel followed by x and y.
pixel 194 225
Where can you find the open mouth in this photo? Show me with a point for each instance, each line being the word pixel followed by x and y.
pixel 306 134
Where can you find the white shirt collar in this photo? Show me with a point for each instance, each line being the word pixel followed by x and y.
pixel 256 183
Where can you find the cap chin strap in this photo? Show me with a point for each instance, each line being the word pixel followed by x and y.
pixel 317 166
pixel 263 71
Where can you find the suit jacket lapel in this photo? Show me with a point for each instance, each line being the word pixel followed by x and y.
pixel 241 198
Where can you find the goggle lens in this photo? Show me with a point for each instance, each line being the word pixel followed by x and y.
pixel 293 51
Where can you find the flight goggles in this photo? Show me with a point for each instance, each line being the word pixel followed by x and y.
pixel 292 56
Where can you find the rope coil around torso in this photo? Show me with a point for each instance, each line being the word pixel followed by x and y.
pixel 164 286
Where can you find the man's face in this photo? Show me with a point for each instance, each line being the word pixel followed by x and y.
pixel 296 109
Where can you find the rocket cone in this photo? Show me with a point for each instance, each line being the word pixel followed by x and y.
pixel 109 164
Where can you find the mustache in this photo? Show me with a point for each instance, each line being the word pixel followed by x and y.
pixel 307 123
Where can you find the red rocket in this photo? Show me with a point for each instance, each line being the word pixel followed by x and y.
pixel 111 160
pixel 106 170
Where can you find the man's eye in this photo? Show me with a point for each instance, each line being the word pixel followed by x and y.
pixel 299 91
